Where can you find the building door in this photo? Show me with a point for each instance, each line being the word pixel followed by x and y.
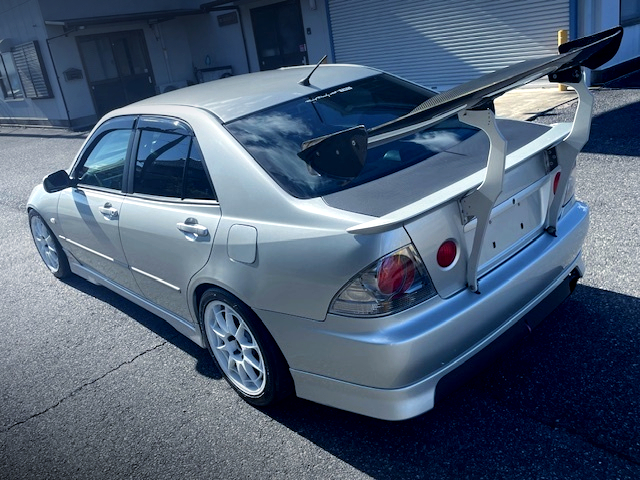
pixel 118 69
pixel 279 35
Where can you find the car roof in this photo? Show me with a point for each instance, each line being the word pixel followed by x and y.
pixel 237 96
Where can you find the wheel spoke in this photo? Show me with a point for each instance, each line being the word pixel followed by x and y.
pixel 232 328
pixel 253 363
pixel 45 244
pixel 234 347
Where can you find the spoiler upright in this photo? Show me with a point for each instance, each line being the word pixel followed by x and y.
pixel 473 103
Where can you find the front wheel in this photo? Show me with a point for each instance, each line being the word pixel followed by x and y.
pixel 243 349
pixel 48 246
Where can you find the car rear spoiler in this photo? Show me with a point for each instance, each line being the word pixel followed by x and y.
pixel 473 103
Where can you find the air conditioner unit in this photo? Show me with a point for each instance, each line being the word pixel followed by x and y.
pixel 169 87
pixel 214 73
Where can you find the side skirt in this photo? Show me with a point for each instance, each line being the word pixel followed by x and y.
pixel 180 324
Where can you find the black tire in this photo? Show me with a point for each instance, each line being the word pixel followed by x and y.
pixel 252 364
pixel 48 246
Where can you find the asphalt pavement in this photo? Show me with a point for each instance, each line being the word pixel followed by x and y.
pixel 94 387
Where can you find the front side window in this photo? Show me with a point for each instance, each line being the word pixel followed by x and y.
pixel 274 136
pixel 103 165
pixel 169 163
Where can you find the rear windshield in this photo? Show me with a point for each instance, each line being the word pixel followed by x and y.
pixel 275 136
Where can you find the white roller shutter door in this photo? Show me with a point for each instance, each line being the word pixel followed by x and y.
pixel 442 43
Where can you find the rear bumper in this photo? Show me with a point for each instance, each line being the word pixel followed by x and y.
pixel 396 367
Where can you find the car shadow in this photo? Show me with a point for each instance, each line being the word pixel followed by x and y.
pixel 204 363
pixel 614 132
pixel 576 373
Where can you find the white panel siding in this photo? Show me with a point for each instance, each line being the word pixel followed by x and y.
pixel 442 43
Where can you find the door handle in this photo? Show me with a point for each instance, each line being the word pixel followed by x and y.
pixel 191 225
pixel 108 211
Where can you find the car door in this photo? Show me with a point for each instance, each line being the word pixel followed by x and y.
pixel 89 212
pixel 168 222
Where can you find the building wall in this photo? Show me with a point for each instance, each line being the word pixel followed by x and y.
pixel 226 45
pixel 179 47
pixel 68 9
pixel 171 38
pixel 21 22
pixel 603 14
pixel 77 96
pixel 169 53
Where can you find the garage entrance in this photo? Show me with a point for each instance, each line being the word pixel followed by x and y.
pixel 118 69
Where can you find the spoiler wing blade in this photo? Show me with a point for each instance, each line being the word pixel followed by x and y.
pixel 590 52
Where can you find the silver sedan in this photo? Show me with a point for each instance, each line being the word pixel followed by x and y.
pixel 334 231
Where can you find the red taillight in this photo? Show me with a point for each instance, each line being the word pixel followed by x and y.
pixel 395 274
pixel 447 253
pixel 391 284
pixel 556 182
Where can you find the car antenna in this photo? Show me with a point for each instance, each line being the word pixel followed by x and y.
pixel 305 80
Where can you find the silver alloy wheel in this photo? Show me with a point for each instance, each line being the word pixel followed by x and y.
pixel 235 347
pixel 45 243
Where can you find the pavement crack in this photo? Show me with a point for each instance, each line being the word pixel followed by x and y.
pixel 82 387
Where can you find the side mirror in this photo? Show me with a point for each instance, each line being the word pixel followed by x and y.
pixel 56 181
pixel 340 155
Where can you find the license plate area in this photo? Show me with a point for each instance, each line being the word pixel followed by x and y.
pixel 513 224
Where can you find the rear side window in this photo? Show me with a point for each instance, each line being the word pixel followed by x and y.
pixel 169 163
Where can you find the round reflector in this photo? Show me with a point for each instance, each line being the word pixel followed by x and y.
pixel 447 253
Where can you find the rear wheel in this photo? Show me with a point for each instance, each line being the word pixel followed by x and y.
pixel 48 246
pixel 243 349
